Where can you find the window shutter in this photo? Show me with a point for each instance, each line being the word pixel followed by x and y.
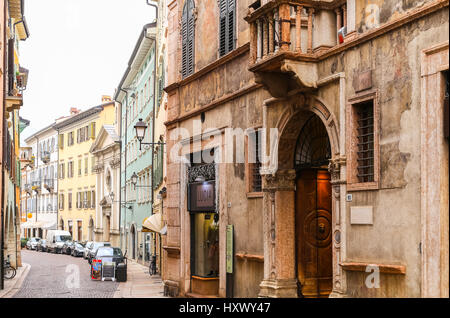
pixel 223 27
pixel 188 36
pixel 227 26
pixel 231 24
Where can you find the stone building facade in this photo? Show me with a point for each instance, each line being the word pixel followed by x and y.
pixel 353 199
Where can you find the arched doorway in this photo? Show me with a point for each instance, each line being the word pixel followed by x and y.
pixel 313 210
pixel 133 242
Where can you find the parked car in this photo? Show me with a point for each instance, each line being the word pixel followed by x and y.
pixel 67 247
pixel 23 242
pixel 56 239
pixel 95 246
pixel 42 246
pixel 32 243
pixel 87 249
pixel 109 254
pixel 77 250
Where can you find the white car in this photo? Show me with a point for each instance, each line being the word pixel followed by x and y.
pixel 32 243
pixel 56 240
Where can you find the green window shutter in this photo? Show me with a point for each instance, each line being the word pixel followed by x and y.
pixel 188 38
pixel 227 26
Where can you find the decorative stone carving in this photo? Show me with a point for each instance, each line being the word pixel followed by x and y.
pixel 208 171
pixel 115 162
pixel 283 180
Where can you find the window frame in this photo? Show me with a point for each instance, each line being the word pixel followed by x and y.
pixel 249 166
pixel 353 184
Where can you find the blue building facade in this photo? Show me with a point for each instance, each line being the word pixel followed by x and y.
pixel 135 98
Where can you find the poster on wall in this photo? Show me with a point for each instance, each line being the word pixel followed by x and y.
pixel 96 269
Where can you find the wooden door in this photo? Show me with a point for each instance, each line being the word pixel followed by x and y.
pixel 313 233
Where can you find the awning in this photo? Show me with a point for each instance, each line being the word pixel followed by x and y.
pixel 153 223
pixel 32 225
pixel 49 225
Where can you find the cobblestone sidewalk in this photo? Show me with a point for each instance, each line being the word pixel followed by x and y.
pixel 140 284
pixel 13 285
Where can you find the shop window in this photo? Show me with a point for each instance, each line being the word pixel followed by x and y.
pixel 205 244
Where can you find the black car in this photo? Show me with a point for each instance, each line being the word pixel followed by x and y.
pixel 41 246
pixel 67 247
pixel 77 250
pixel 109 254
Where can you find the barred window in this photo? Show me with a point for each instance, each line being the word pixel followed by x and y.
pixel 254 163
pixel 365 141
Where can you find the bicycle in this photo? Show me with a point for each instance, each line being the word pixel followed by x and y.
pixel 9 271
pixel 152 266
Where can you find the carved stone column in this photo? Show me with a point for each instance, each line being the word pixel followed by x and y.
pixel 338 187
pixel 279 235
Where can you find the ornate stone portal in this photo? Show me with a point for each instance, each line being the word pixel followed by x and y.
pixel 280 276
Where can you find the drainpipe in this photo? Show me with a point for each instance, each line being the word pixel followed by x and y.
pixel 120 174
pixel 154 109
pixel 125 164
pixel 2 201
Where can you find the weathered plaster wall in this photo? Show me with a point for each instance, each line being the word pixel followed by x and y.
pixel 373 13
pixel 396 233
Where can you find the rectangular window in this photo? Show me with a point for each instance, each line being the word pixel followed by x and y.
pixel 79 167
pixel 253 163
pixel 61 141
pixel 69 200
pixel 93 199
pixel 61 201
pixel 86 164
pixel 363 142
pixel 88 199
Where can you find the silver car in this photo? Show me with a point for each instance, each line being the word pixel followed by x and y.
pixel 94 249
pixel 32 243
pixel 87 249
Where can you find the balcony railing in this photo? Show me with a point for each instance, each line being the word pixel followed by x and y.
pixel 45 157
pixel 36 185
pixel 28 188
pixel 49 184
pixel 288 27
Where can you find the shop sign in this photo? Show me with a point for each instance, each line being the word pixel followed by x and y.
pixel 201 197
pixel 229 252
pixel 96 269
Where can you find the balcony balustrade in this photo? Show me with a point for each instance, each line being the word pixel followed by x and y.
pixel 49 184
pixel 45 157
pixel 36 186
pixel 287 38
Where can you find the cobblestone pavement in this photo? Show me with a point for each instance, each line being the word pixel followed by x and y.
pixel 54 276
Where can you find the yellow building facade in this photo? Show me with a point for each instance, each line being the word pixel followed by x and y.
pixel 77 171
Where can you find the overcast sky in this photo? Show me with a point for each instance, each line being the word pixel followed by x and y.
pixel 77 51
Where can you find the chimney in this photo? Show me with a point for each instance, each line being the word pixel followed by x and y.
pixel 106 99
pixel 74 111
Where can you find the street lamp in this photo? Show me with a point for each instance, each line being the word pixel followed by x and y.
pixel 134 181
pixel 122 204
pixel 141 128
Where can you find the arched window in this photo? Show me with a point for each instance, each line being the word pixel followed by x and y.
pixel 227 26
pixel 313 145
pixel 187 38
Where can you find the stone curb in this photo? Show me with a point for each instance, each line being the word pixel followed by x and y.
pixel 12 290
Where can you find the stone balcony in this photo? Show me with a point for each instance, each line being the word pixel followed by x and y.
pixel 287 38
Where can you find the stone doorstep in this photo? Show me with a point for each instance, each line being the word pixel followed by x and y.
pixel 12 287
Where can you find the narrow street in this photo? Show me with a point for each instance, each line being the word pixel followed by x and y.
pixel 48 278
